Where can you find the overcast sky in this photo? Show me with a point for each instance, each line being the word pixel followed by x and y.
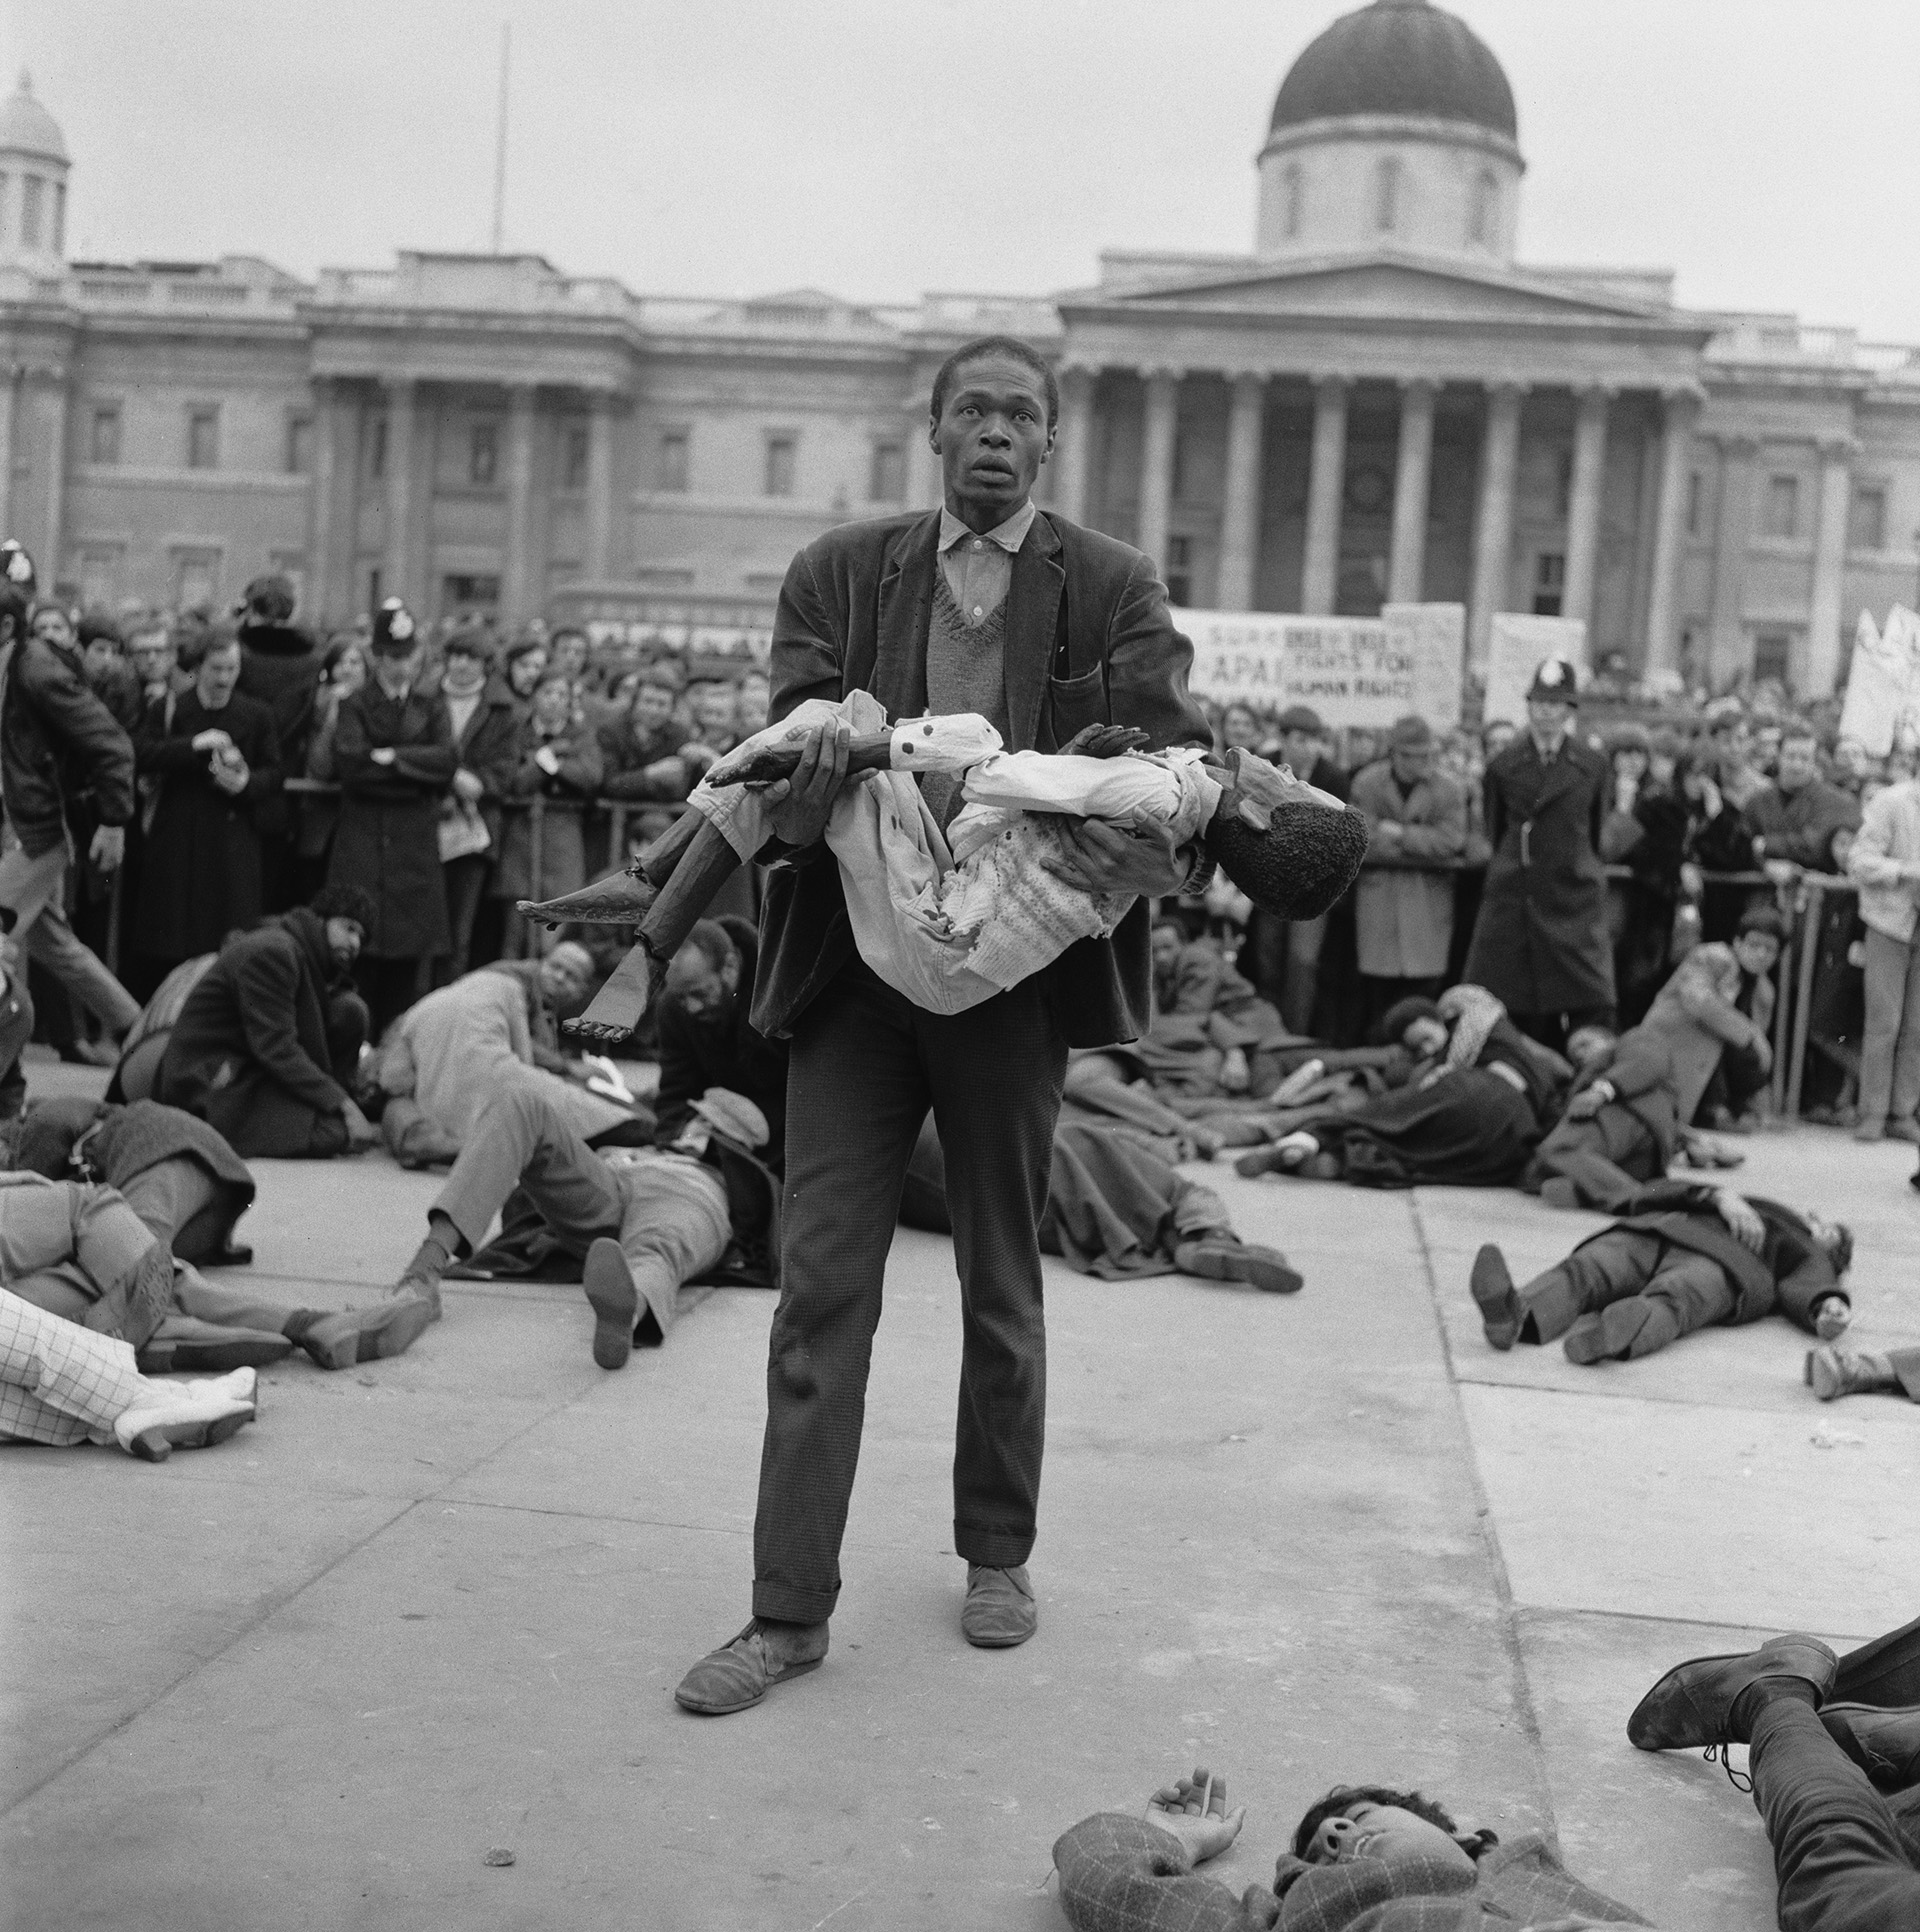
pixel 1763 148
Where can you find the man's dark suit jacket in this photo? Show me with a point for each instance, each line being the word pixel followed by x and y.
pixel 1089 641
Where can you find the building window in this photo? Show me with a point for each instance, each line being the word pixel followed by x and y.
pixel 103 440
pixel 483 455
pixel 1549 582
pixel 203 438
pixel 1772 655
pixel 1483 210
pixel 574 455
pixel 99 577
pixel 299 445
pixel 32 206
pixel 1180 571
pixel 377 450
pixel 196 579
pixel 1295 180
pixel 670 464
pixel 887 473
pixel 1386 194
pixel 1563 485
pixel 1783 506
pixel 778 477
pixel 1867 520
pixel 469 594
pixel 1696 504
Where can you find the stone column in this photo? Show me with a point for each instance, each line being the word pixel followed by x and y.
pixel 1156 464
pixel 1826 618
pixel 56 477
pixel 1413 473
pixel 518 593
pixel 1681 408
pixel 322 509
pixel 1493 527
pixel 10 381
pixel 1072 461
pixel 1726 634
pixel 1240 517
pixel 398 574
pixel 599 558
pixel 1320 573
pixel 1584 503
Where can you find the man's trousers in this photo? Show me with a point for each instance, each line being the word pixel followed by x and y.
pixel 36 890
pixel 65 1244
pixel 1683 1290
pixel 60 1383
pixel 865 1066
pixel 669 1214
pixel 1843 1860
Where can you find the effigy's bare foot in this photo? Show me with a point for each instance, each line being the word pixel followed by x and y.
pixel 620 1005
pixel 620 901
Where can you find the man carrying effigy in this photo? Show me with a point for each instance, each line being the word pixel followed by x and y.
pixel 993 607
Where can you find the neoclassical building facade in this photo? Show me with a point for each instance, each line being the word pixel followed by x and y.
pixel 1378 402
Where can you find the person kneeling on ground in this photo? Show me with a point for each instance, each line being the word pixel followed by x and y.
pixel 63 1384
pixel 189 1188
pixel 1833 1764
pixel 1366 1857
pixel 1115 1209
pixel 1687 1256
pixel 643 1220
pixel 267 1047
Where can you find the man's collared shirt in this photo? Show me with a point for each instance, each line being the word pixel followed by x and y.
pixel 1548 749
pixel 979 569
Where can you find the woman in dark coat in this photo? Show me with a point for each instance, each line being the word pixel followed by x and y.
pixel 216 757
pixel 1475 1105
pixel 1540 943
pixel 393 749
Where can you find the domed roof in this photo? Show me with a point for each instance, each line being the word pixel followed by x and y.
pixel 27 128
pixel 1398 57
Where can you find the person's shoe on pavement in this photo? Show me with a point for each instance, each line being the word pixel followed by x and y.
pixel 187 1415
pixel 1832 1372
pixel 1499 1306
pixel 999 1611
pixel 615 1300
pixel 357 1335
pixel 740 1673
pixel 1230 1260
pixel 1714 1700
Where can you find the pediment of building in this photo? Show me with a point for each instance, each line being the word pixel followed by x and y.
pixel 1385 287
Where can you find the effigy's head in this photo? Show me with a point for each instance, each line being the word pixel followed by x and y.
pixel 1300 865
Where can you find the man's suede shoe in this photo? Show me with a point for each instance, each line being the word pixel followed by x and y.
pixel 1499 1306
pixel 1693 1704
pixel 1884 1744
pixel 740 1673
pixel 1264 1268
pixel 1000 1611
pixel 374 1334
pixel 615 1301
pixel 192 1355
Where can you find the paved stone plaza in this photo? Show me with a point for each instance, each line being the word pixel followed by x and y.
pixel 438 1605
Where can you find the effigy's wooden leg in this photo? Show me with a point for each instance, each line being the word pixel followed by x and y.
pixel 703 864
pixel 624 899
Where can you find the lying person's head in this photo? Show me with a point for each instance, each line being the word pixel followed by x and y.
pixel 1586 1044
pixel 1833 1238
pixel 1355 1821
pixel 705 973
pixel 1415 1024
pixel 1757 944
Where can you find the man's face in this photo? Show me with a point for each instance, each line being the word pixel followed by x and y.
pixel 526 671
pixel 1826 1233
pixel 712 707
pixel 1799 765
pixel 98 658
pixel 992 436
pixel 464 672
pixel 51 626
pixel 705 992
pixel 1756 952
pixel 570 654
pixel 1766 743
pixel 219 672
pixel 652 707
pixel 553 704
pixel 1411 763
pixel 344 940
pixel 1385 1833
pixel 1548 716
pixel 1301 750
pixel 1168 944
pixel 152 657
pixel 564 978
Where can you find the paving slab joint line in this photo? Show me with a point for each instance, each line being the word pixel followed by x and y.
pixel 275 1604
pixel 1496 1557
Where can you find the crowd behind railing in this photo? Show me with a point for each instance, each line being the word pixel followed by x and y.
pixel 570 754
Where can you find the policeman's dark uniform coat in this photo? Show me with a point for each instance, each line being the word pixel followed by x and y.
pixel 1540 944
pixel 1088 640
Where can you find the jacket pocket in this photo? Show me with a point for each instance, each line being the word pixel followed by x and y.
pixel 1077 702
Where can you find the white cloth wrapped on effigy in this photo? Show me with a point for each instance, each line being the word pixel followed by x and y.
pixel 950 925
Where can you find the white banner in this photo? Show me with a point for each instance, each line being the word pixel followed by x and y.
pixel 1516 648
pixel 1351 670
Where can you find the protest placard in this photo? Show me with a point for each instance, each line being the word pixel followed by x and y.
pixel 1516 648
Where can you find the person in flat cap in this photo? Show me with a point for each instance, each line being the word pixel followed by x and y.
pixel 1403 899
pixel 1540 945
pixel 393 749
